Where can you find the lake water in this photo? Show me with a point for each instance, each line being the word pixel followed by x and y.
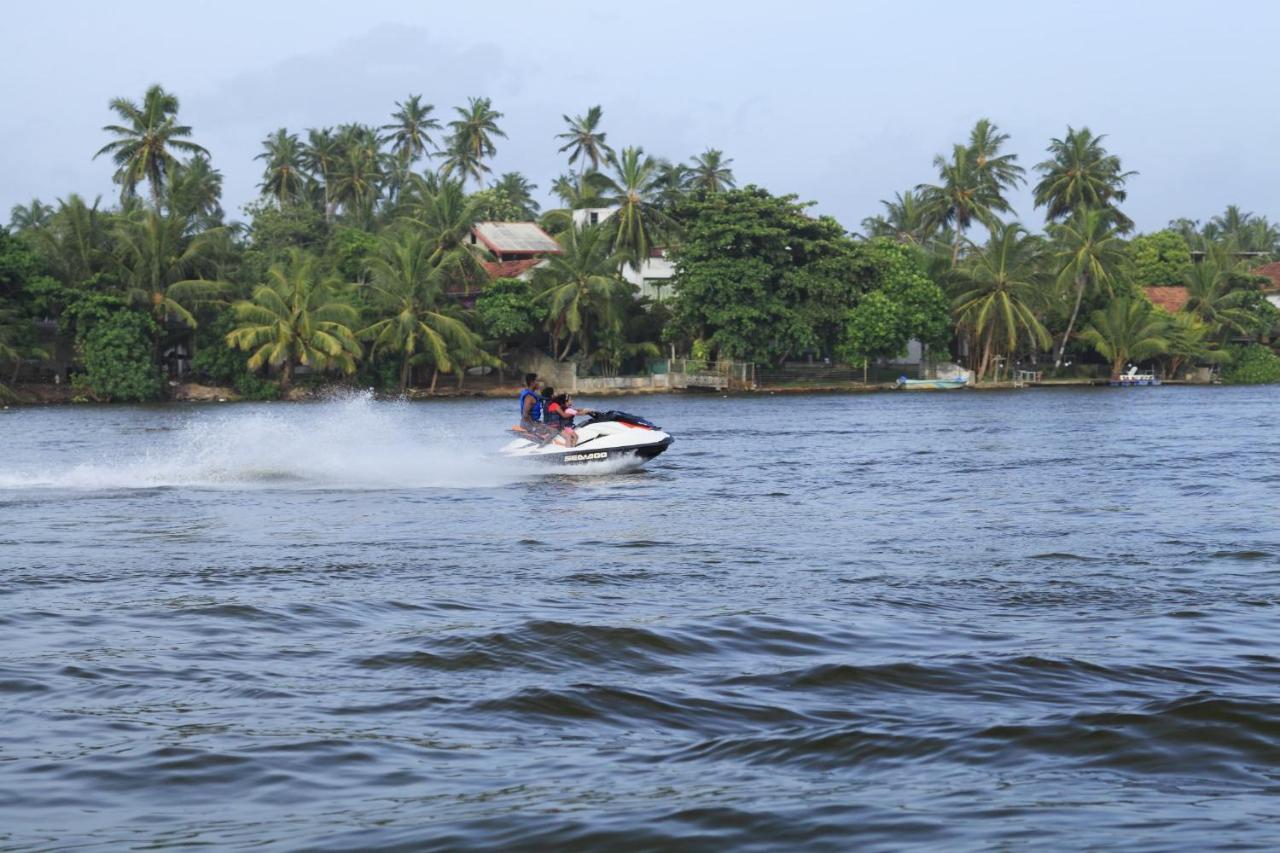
pixel 1028 619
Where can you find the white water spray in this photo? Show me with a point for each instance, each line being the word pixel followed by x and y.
pixel 353 442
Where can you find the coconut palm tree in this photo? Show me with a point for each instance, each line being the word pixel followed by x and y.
pixel 284 177
pixel 410 130
pixel 297 316
pixel 581 287
pixel 415 321
pixel 30 216
pixel 1081 173
pixel 194 194
pixel 671 185
pixel 1211 298
pixel 964 194
pixel 146 141
pixel 160 266
pixel 447 215
pixel 710 172
pixel 471 140
pixel 1128 329
pixel 905 219
pixel 1000 172
pixel 1002 285
pixel 1190 341
pixel 638 220
pixel 357 177
pixel 516 189
pixel 585 141
pixel 1242 231
pixel 319 156
pixel 1089 251
pixel 76 244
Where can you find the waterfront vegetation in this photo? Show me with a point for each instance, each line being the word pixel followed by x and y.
pixel 350 264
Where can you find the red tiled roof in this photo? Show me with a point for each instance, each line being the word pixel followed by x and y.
pixel 1271 271
pixel 1170 299
pixel 515 238
pixel 510 269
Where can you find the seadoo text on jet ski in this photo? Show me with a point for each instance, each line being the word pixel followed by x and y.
pixel 612 436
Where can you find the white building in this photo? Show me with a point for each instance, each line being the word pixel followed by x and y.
pixel 653 279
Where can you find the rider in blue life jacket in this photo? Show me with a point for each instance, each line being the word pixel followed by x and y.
pixel 530 402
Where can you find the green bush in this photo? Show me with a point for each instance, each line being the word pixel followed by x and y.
pixel 117 358
pixel 1252 365
pixel 222 365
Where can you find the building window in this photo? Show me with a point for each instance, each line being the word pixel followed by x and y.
pixel 595 218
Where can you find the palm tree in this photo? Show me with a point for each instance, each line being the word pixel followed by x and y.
pixel 710 172
pixel 319 156
pixel 29 217
pixel 296 317
pixel 284 177
pixel 410 131
pixel 671 185
pixel 194 194
pixel 447 215
pixel 1002 289
pixel 963 194
pixel 1090 250
pixel 1080 173
pixel 581 287
pixel 414 321
pixel 516 189
pixel 1242 231
pixel 1000 172
pixel 76 244
pixel 1128 329
pixel 1211 299
pixel 357 176
pixel 638 220
pixel 585 142
pixel 143 149
pixel 905 219
pixel 472 140
pixel 160 266
pixel 1190 341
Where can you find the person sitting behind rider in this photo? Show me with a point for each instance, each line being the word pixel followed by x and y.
pixel 560 414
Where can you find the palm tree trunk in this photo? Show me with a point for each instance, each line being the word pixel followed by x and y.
pixel 286 376
pixel 1071 324
pixel 435 376
pixel 568 345
pixel 404 375
pixel 986 357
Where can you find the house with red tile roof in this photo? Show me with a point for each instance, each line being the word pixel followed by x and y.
pixel 1168 298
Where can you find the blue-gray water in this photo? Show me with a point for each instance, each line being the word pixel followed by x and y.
pixel 1034 619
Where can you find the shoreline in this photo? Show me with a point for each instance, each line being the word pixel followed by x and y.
pixel 26 396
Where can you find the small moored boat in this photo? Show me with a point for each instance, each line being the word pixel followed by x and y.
pixel 1133 377
pixel 932 384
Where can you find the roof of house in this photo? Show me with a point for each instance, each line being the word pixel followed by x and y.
pixel 1271 271
pixel 505 238
pixel 1169 298
pixel 510 269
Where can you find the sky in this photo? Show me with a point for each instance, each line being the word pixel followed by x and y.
pixel 841 103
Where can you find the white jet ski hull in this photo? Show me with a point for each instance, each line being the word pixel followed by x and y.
pixel 608 442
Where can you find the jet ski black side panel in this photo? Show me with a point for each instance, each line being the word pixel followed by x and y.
pixel 586 455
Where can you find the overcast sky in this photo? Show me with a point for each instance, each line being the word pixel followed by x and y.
pixel 841 102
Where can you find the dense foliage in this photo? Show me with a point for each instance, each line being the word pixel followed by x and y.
pixel 356 261
pixel 1252 365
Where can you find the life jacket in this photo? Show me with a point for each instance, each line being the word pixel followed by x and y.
pixel 535 413
pixel 556 416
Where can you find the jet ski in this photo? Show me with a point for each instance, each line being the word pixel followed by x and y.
pixel 614 437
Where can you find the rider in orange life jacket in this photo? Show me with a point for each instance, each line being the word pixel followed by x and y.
pixel 560 414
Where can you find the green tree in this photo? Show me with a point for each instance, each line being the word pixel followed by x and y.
pixel 471 140
pixel 584 140
pixel 146 141
pixel 581 288
pixel 1128 329
pixel 1190 342
pixel 358 174
pixel 638 220
pixel 508 313
pixel 513 194
pixel 194 194
pixel 319 156
pixel 298 316
pixel 160 266
pixel 1252 365
pixel 965 193
pixel 1001 290
pixel 710 172
pixel 1242 231
pixel 1160 258
pixel 997 170
pixel 1080 173
pixel 29 217
pixel 1089 252
pixel 118 358
pixel 872 330
pixel 410 130
pixel 284 177
pixel 1217 298
pixel 905 219
pixel 414 321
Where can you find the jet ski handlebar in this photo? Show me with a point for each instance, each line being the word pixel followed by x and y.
pixel 621 417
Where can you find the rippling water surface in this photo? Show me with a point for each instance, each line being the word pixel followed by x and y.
pixel 1045 618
